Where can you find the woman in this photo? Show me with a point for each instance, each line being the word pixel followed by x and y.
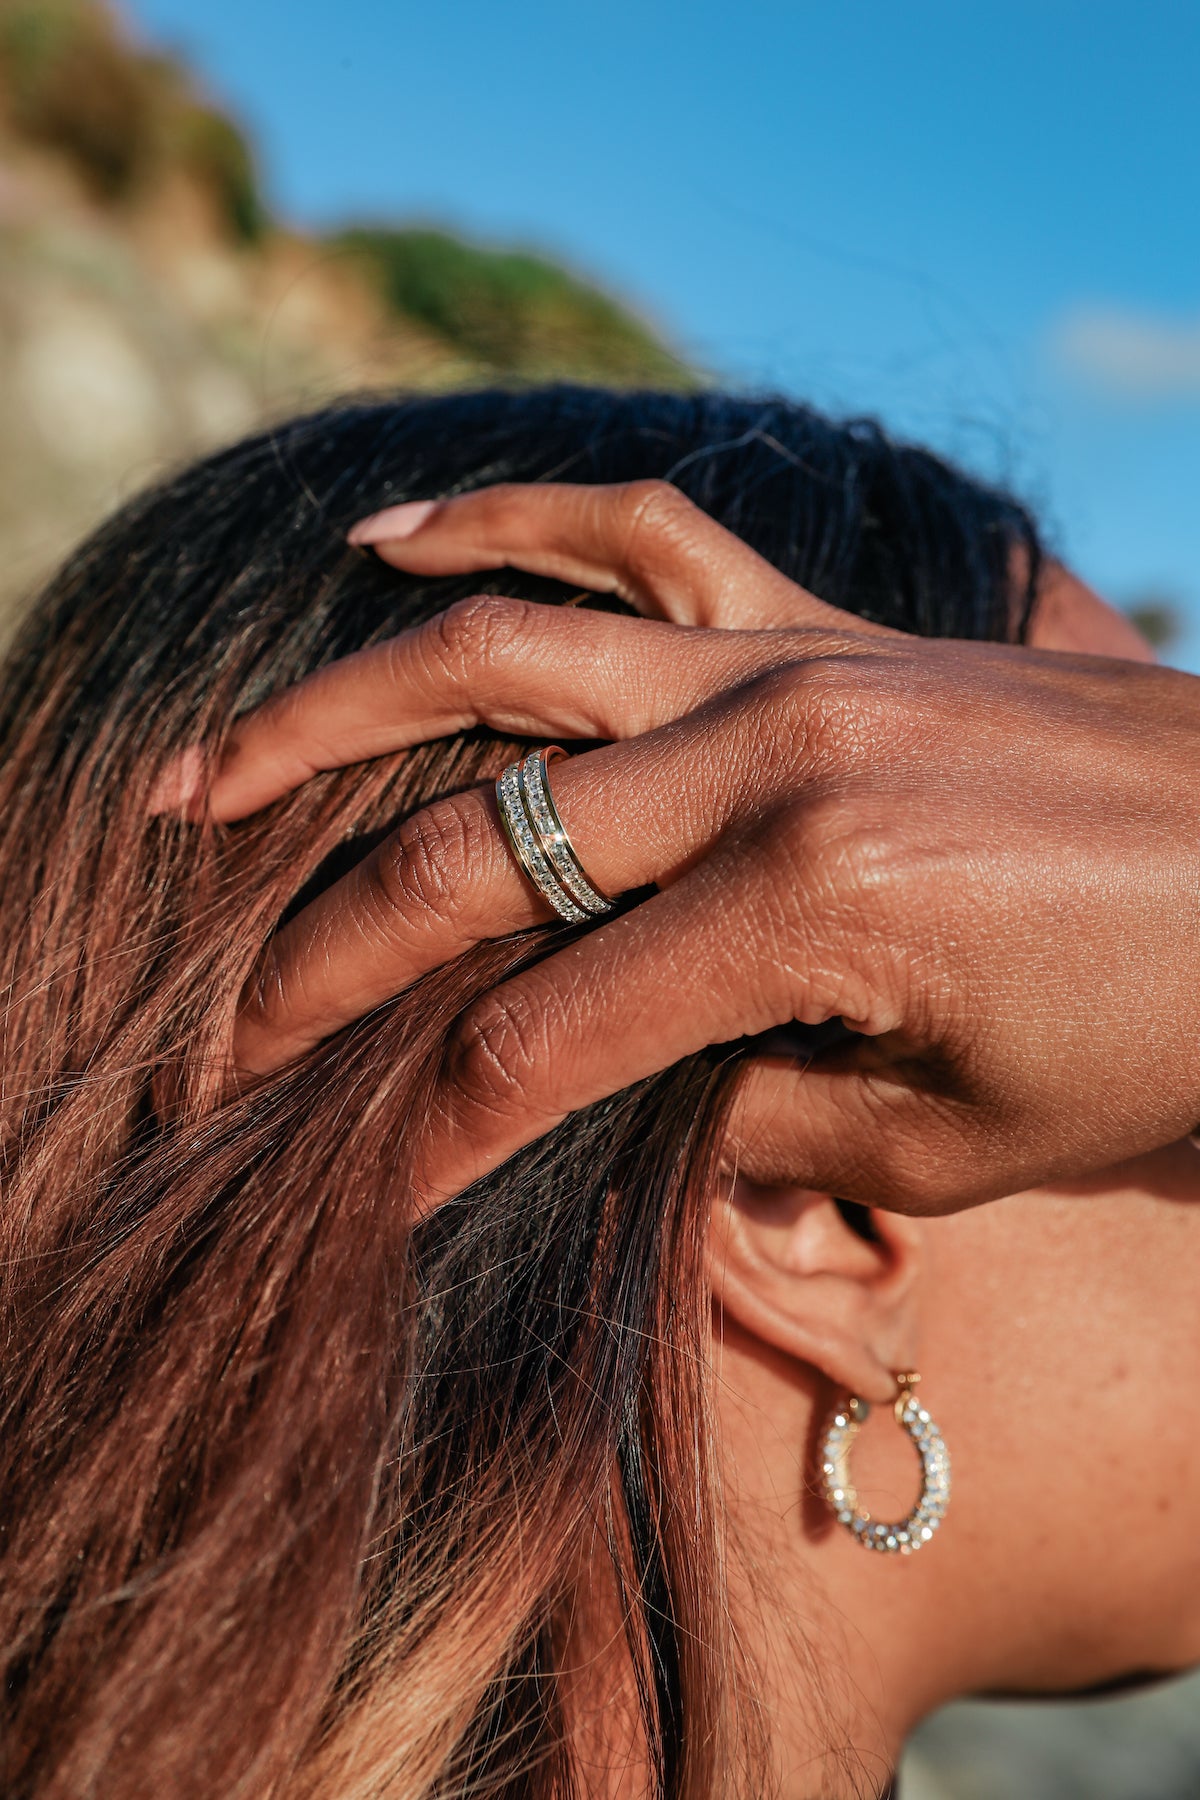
pixel 312 1487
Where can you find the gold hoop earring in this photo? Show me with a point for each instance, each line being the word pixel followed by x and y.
pixel 916 1530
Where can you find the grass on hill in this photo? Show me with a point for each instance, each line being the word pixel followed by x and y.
pixel 510 310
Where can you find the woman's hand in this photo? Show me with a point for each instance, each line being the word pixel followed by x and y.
pixel 982 859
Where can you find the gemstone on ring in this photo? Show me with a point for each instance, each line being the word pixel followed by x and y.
pixel 528 852
pixel 556 846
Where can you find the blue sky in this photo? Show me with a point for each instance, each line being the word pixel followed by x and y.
pixel 980 221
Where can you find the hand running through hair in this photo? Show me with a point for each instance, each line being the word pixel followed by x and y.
pixel 982 859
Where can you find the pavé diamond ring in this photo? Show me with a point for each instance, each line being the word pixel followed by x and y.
pixel 538 839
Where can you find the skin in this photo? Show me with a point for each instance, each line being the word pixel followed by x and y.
pixel 981 858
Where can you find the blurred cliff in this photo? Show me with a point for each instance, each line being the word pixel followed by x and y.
pixel 151 307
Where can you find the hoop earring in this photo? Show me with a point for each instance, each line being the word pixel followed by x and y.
pixel 839 1492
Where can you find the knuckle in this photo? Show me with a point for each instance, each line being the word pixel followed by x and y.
pixel 835 725
pixel 826 823
pixel 825 711
pixel 653 511
pixel 418 871
pixel 838 698
pixel 497 1052
pixel 477 634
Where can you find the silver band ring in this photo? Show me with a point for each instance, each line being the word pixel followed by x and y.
pixel 539 842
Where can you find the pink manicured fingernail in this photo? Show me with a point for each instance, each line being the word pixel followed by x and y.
pixel 179 784
pixel 393 523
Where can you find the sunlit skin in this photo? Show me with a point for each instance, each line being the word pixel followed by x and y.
pixel 1057 1339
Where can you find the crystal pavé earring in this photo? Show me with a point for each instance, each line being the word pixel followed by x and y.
pixel 838 1440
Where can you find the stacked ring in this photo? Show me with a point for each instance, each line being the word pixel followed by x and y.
pixel 538 839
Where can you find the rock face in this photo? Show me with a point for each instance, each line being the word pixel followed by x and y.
pixel 150 309
pixel 120 355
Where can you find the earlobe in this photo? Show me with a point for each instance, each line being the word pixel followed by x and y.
pixel 790 1266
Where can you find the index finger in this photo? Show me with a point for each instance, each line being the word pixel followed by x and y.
pixel 644 541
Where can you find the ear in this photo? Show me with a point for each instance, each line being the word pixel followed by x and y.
pixel 827 1283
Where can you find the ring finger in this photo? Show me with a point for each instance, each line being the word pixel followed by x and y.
pixel 445 879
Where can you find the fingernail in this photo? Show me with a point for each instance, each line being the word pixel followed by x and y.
pixel 179 784
pixel 393 523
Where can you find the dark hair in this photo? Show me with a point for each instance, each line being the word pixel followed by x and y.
pixel 294 1498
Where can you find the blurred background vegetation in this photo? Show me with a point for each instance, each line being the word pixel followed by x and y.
pixel 151 306
pixel 506 310
pixel 119 117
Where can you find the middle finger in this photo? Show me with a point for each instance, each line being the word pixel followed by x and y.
pixel 522 668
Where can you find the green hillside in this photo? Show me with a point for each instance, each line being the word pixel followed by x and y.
pixel 509 310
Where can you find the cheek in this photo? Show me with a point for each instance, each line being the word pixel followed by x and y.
pixel 1069 1350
